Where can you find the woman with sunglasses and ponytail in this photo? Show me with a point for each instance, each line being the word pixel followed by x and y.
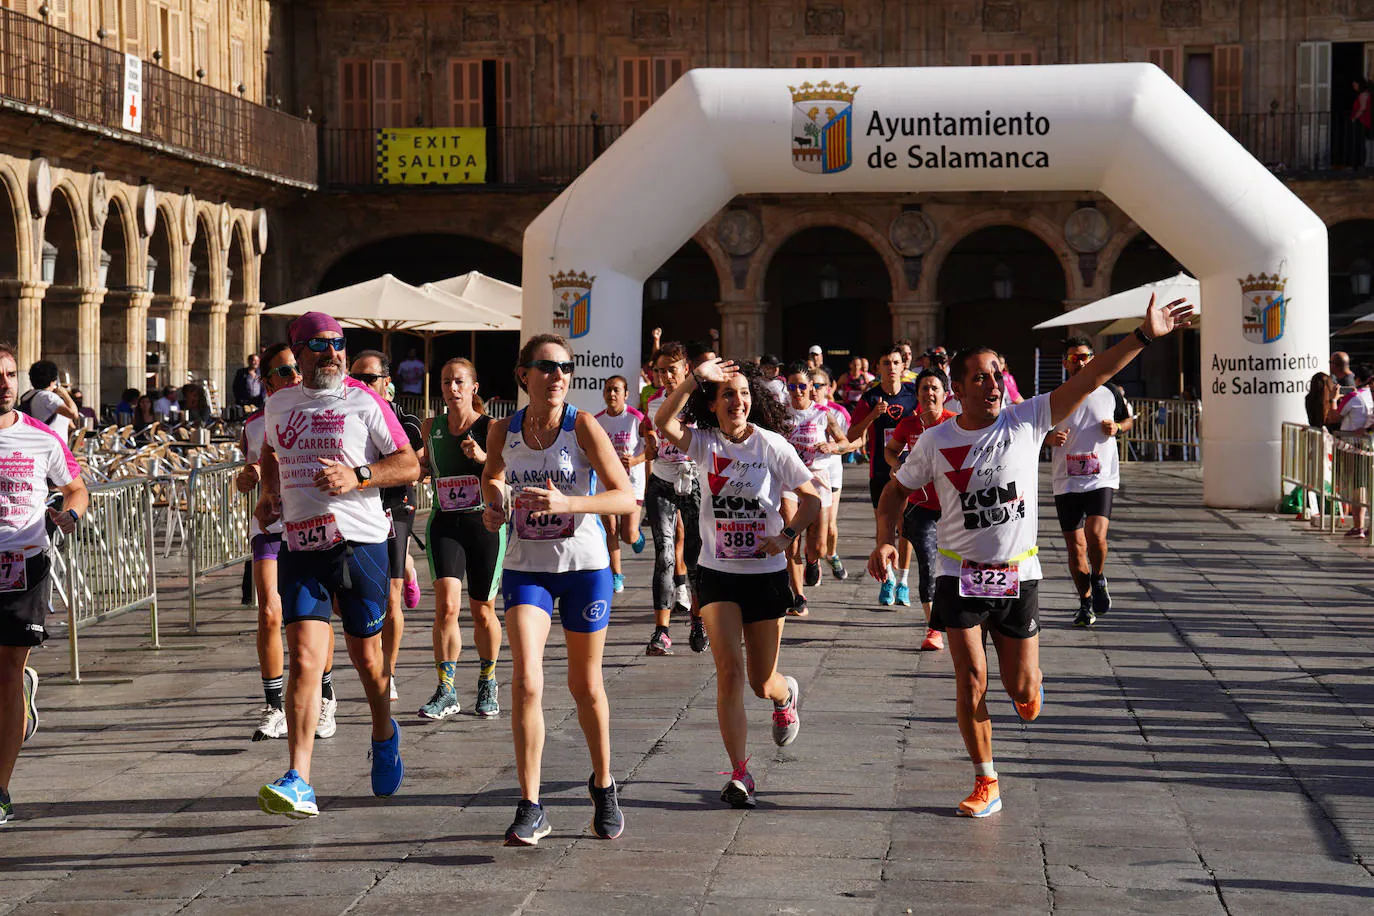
pixel 541 476
pixel 743 574
pixel 459 543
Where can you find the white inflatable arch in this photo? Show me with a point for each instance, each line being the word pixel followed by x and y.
pixel 1126 130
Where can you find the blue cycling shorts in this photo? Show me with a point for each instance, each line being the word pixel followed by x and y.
pixel 583 595
pixel 358 575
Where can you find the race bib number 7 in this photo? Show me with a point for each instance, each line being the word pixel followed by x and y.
pixel 989 580
pixel 1083 465
pixel 12 572
pixel 740 540
pixel 318 533
pixel 458 493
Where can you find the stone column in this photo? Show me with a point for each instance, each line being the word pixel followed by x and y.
pixel 178 339
pixel 917 320
pixel 22 322
pixel 742 328
pixel 241 333
pixel 123 343
pixel 215 358
pixel 88 345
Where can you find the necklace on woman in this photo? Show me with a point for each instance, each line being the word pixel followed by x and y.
pixel 741 437
pixel 533 433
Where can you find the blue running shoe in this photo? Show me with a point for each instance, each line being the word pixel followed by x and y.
pixel 290 796
pixel 638 546
pixel 387 769
pixel 617 583
pixel 904 595
pixel 887 592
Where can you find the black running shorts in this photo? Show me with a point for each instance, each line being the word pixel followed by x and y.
pixel 458 544
pixel 1073 509
pixel 402 520
pixel 760 596
pixel 1015 617
pixel 22 613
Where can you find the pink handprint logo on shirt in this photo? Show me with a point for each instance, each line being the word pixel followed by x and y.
pixel 296 423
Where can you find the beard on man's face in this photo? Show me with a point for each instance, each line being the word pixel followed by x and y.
pixel 327 375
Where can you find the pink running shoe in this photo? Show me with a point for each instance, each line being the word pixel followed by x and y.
pixel 412 593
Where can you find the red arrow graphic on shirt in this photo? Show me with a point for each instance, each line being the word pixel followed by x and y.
pixel 956 458
pixel 715 478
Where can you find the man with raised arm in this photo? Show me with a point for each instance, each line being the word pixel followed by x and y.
pixel 985 466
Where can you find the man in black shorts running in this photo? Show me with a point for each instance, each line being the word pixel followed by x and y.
pixel 985 466
pixel 1086 476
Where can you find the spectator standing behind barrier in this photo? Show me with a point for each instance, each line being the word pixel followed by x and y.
pixel 1355 411
pixel 410 374
pixel 1322 393
pixel 248 387
pixel 25 583
pixel 48 402
pixel 1340 371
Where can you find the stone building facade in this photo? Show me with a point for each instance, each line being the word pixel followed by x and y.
pixel 131 256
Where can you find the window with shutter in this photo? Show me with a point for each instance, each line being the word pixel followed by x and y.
pixel 109 19
pixel 1227 82
pixel 61 13
pixel 388 93
pixel 176 42
pixel 131 31
pixel 827 60
pixel 1167 59
pixel 355 96
pixel 235 64
pixel 644 79
pixel 1003 58
pixel 200 51
pixel 465 87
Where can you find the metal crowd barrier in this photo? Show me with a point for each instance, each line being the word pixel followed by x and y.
pixel 1305 463
pixel 105 568
pixel 217 517
pixel 1352 475
pixel 1165 429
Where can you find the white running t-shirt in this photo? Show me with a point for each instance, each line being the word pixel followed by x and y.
pixel 987 484
pixel 627 438
pixel 31 458
pixel 350 424
pixel 741 496
pixel 1088 460
pixel 253 430
pixel 670 463
pixel 810 428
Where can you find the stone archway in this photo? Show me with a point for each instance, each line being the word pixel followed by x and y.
pixel 18 294
pixel 680 298
pixel 164 279
pixel 64 262
pixel 122 309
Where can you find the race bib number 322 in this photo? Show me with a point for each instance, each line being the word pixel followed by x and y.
pixel 318 533
pixel 989 580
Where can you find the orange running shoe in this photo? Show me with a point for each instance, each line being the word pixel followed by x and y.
pixel 933 640
pixel 1029 711
pixel 985 800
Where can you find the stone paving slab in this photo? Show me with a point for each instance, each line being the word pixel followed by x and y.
pixel 1204 749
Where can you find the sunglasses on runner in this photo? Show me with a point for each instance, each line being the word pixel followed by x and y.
pixel 320 344
pixel 548 366
pixel 288 370
pixel 367 378
pixel 798 387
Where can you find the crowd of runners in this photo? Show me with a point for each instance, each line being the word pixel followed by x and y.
pixel 738 469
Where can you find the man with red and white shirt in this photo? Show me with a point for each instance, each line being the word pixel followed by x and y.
pixel 32 458
pixel 985 467
pixel 331 443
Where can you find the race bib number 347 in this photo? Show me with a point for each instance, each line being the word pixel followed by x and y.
pixel 318 533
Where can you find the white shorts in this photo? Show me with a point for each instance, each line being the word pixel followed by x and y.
pixel 637 482
pixel 835 465
pixel 821 481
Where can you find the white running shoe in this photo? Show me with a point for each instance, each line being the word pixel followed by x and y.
pixel 271 724
pixel 394 695
pixel 326 727
pixel 683 599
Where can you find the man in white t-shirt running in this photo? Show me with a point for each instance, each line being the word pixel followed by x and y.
pixel 985 466
pixel 1086 476
pixel 32 458
pixel 330 444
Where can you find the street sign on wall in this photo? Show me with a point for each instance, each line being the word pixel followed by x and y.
pixel 133 93
pixel 432 155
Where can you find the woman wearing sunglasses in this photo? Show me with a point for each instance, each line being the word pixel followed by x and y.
pixel 458 542
pixel 813 431
pixel 743 574
pixel 540 475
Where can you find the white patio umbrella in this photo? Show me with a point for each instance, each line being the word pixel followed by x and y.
pixel 1362 325
pixel 1120 313
pixel 480 289
pixel 388 305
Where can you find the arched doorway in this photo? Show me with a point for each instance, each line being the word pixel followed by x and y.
pixel 1351 253
pixel 681 296
pixel 9 268
pixel 201 279
pixel 1156 373
pixel 159 268
pixel 996 284
pixel 428 258
pixel 827 286
pixel 115 251
pixel 62 263
pixel 240 339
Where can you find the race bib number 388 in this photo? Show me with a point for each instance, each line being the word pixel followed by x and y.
pixel 740 540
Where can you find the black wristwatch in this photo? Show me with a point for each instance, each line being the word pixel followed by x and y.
pixel 790 533
pixel 364 473
pixel 76 519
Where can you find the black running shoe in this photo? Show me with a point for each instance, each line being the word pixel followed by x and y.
pixel 697 638
pixel 659 644
pixel 607 821
pixel 530 826
pixel 798 608
pixel 1102 599
pixel 1085 617
pixel 813 574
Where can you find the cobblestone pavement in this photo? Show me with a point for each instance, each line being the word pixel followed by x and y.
pixel 1205 749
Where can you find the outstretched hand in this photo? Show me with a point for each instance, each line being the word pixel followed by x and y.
pixel 1160 321
pixel 716 370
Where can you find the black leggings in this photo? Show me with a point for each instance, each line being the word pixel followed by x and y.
pixel 663 504
pixel 918 527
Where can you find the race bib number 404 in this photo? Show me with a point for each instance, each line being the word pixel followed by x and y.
pixel 13 577
pixel 532 527
pixel 318 533
pixel 740 540
pixel 989 580
pixel 458 493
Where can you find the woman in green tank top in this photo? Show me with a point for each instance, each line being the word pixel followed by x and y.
pixel 457 542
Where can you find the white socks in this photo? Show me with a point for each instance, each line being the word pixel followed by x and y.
pixel 985 769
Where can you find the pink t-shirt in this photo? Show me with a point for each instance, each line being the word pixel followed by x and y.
pixel 31 458
pixel 350 424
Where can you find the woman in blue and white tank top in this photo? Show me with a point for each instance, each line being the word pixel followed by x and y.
pixel 541 478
